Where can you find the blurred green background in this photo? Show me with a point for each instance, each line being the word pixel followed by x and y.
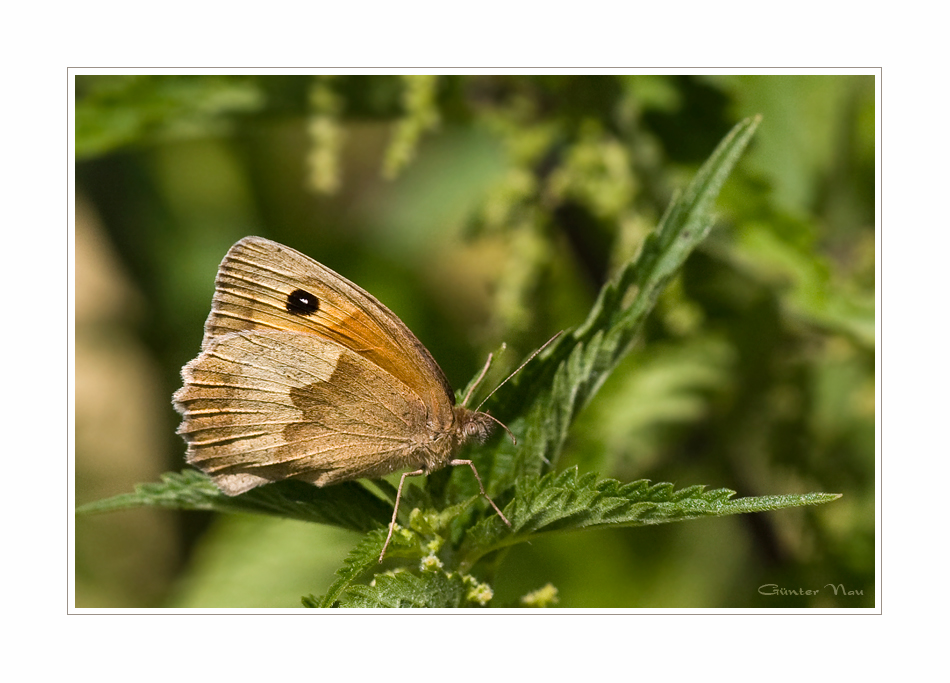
pixel 484 209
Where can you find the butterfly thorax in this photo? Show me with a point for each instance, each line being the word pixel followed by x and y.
pixel 444 443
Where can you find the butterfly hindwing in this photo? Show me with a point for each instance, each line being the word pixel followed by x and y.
pixel 261 406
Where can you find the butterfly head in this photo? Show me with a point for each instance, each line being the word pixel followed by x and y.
pixel 473 425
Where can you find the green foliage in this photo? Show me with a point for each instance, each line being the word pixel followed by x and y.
pixel 566 501
pixel 550 392
pixel 558 502
pixel 349 505
pixel 421 116
pixel 741 357
pixel 116 111
pixel 578 364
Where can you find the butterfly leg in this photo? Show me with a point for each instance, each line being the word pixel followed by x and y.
pixel 480 486
pixel 392 524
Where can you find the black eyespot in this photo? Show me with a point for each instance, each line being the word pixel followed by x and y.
pixel 302 303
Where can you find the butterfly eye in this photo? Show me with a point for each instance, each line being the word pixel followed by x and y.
pixel 302 303
pixel 477 429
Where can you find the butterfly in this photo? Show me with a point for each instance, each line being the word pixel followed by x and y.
pixel 304 375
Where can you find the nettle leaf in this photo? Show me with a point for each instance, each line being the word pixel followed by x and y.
pixel 432 587
pixel 363 558
pixel 403 589
pixel 568 501
pixel 348 505
pixel 540 405
pixel 558 502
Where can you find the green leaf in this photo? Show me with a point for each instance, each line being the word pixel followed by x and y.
pixel 432 587
pixel 348 505
pixel 568 501
pixel 542 402
pixel 363 558
pixel 402 589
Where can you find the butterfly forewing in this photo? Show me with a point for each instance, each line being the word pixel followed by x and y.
pixel 265 285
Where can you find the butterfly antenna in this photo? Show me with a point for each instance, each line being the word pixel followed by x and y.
pixel 481 376
pixel 527 360
pixel 503 426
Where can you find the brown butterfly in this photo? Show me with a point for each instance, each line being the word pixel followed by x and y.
pixel 304 375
